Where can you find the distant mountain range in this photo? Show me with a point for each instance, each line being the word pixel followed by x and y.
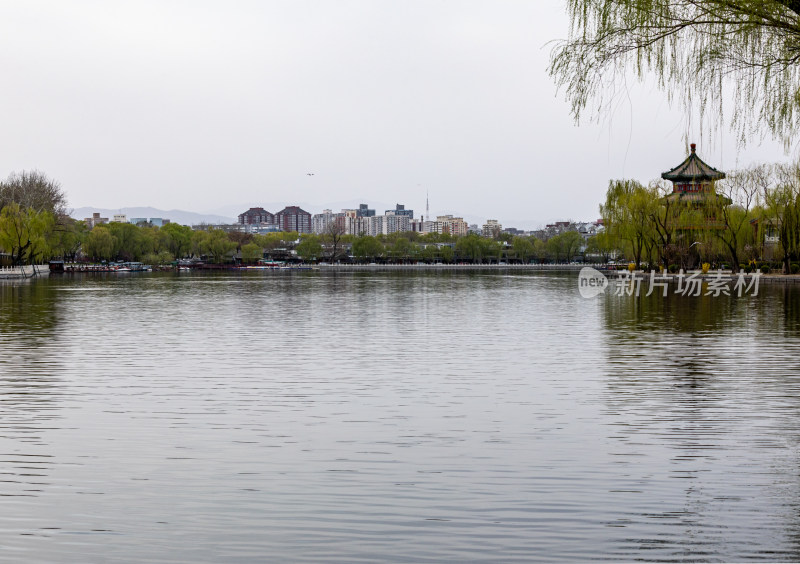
pixel 176 216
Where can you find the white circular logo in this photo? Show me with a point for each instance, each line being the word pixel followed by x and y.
pixel 591 282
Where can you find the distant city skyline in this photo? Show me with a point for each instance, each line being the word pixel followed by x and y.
pixel 189 217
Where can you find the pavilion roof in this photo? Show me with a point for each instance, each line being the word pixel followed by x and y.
pixel 692 169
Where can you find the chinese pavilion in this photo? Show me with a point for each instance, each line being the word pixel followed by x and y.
pixel 692 180
pixel 692 209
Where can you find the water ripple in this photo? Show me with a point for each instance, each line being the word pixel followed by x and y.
pixel 363 418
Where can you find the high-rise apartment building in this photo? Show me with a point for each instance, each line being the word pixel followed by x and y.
pixel 321 221
pixel 293 218
pixel 455 225
pixel 401 210
pixel 446 224
pixel 254 216
pixel 491 228
pixel 364 211
pixel 386 224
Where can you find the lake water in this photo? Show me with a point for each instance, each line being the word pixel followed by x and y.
pixel 404 417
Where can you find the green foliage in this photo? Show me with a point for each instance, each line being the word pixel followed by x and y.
pixel 407 235
pixel 23 232
pixel 367 248
pixel 67 238
pixel 177 239
pixel 601 246
pixel 523 248
pixel 727 226
pixel 251 253
pixel 447 253
pixel 276 240
pixel 698 50
pixel 150 241
pixel 539 249
pixel 199 243
pixel 781 212
pixel 213 243
pixel 310 248
pixel 436 238
pixel 433 253
pixel 564 247
pixel 100 244
pixel 33 217
pixel 477 249
pixel 734 209
pixel 650 225
pixel 471 248
pixel 430 253
pixel 401 249
pixel 129 241
pixel 218 245
pixel 157 259
pixel 628 218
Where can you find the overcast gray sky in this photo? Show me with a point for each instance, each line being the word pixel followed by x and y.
pixel 212 106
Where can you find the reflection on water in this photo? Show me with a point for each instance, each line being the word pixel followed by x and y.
pixel 29 382
pixel 29 392
pixel 708 387
pixel 411 417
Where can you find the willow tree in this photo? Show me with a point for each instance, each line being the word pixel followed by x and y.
pixel 219 245
pixel 309 248
pixel 100 243
pixel 367 248
pixel 744 189
pixel 177 239
pixel 523 248
pixel 23 232
pixel 67 241
pixel 564 246
pixel 627 214
pixel 602 245
pixel 251 253
pixel 693 48
pixel 783 204
pixel 665 220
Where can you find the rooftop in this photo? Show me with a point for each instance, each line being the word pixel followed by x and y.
pixel 693 169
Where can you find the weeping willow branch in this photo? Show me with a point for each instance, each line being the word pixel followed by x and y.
pixel 737 61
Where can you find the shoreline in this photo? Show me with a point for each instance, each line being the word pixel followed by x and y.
pixel 609 271
pixel 30 272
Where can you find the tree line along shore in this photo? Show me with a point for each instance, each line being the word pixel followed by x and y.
pixel 747 220
pixel 751 220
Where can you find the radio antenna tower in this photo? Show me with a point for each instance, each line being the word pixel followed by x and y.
pixel 427 206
